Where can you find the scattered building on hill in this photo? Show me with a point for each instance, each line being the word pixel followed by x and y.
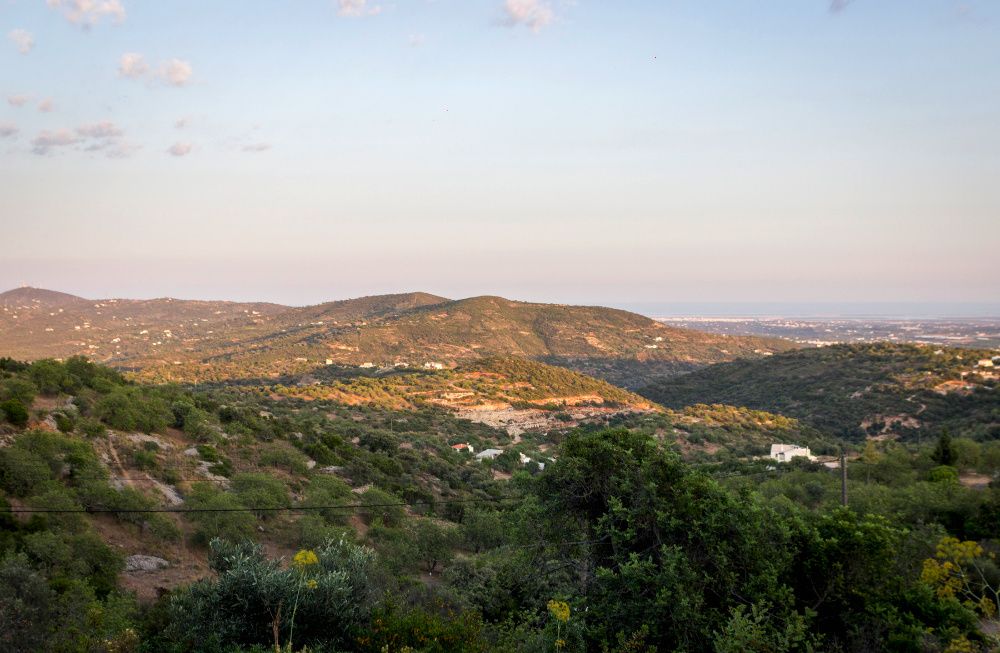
pixel 488 454
pixel 784 453
pixel 986 362
pixel 433 365
pixel 464 446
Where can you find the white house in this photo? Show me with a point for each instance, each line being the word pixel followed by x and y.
pixel 986 362
pixel 784 453
pixel 488 454
pixel 433 365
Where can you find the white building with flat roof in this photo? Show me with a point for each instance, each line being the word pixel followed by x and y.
pixel 784 453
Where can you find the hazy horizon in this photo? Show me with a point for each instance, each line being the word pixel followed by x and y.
pixel 655 309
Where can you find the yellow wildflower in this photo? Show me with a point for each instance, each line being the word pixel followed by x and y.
pixel 311 584
pixel 304 559
pixel 559 610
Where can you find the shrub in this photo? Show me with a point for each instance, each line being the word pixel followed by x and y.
pixel 327 593
pixel 260 491
pixel 26 606
pixel 22 472
pixel 379 507
pixel 92 428
pixel 144 460
pixel 236 526
pixel 14 412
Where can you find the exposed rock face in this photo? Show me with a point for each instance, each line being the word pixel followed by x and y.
pixel 136 563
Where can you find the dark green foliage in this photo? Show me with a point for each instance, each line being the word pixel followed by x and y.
pixel 229 523
pixel 132 409
pixel 381 507
pixel 419 629
pixel 14 412
pixel 18 388
pixel 26 606
pixel 944 451
pixel 327 600
pixel 260 491
pixel 434 543
pixel 837 388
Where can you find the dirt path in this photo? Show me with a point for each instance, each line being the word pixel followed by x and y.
pixel 123 475
pixel 922 407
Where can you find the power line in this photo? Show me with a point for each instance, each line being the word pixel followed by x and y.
pixel 343 506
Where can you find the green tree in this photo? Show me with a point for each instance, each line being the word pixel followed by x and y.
pixel 434 543
pixel 944 451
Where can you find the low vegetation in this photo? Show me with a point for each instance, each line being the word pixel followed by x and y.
pixel 316 525
pixel 855 391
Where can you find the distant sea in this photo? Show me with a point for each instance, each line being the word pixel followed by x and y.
pixel 834 310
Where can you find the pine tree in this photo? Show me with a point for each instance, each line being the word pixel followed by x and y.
pixel 944 451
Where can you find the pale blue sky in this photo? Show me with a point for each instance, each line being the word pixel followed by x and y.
pixel 586 151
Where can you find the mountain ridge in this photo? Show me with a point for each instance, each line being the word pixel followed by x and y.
pixel 194 340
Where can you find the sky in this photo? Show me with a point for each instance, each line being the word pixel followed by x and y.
pixel 579 151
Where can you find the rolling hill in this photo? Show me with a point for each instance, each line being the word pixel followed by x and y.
pixel 170 339
pixel 883 391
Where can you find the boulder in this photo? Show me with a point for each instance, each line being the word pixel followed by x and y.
pixel 144 563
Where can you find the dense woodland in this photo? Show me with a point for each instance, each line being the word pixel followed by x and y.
pixel 311 525
pixel 853 390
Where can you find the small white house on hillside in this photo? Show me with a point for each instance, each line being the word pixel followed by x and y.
pixel 488 454
pixel 784 453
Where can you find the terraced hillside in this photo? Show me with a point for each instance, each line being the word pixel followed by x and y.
pixel 883 391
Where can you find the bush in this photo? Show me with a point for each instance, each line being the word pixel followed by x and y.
pixel 260 491
pixel 144 460
pixel 329 491
pixel 379 508
pixel 326 594
pixel 20 389
pixel 26 607
pixel 283 457
pixel 92 428
pixel 235 526
pixel 22 472
pixel 14 412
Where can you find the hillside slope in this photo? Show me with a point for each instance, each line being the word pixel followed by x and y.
pixel 880 390
pixel 168 339
pixel 513 394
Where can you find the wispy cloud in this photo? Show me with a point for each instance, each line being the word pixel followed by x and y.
pixel 180 149
pixel 533 14
pixel 88 13
pixel 182 123
pixel 175 72
pixel 100 130
pixel 837 6
pixel 18 100
pixel 257 147
pixel 46 106
pixel 8 129
pixel 48 141
pixel 22 40
pixel 105 137
pixel 357 8
pixel 416 40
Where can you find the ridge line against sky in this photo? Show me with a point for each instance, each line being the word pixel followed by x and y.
pixel 573 151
